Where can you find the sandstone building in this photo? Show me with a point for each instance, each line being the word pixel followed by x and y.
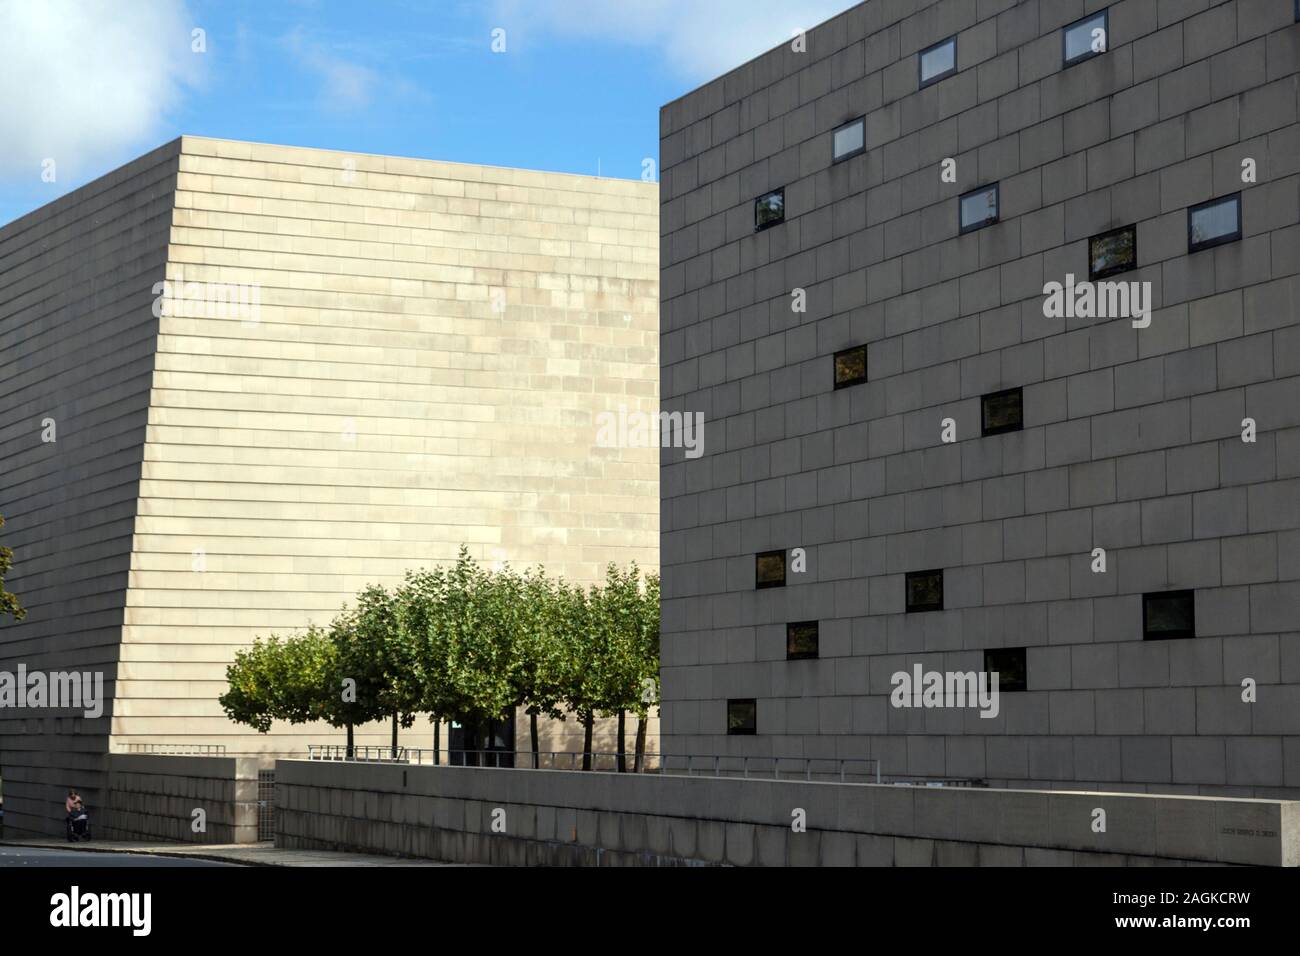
pixel 361 363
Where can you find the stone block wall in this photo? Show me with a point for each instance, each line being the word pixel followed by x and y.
pixel 154 797
pixel 1131 437
pixel 521 817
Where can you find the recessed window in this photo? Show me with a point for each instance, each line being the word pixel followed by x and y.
pixel 1214 223
pixel 938 61
pixel 1009 664
pixel 979 208
pixel 924 591
pixel 1297 11
pixel 1112 252
pixel 1168 615
pixel 849 140
pixel 742 716
pixel 769 569
pixel 1086 38
pixel 801 641
pixel 851 367
pixel 1002 412
pixel 769 209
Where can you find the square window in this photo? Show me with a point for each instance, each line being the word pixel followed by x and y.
pixel 1168 615
pixel 769 569
pixel 1112 252
pixel 742 716
pixel 851 367
pixel 924 591
pixel 801 642
pixel 849 140
pixel 979 208
pixel 1214 223
pixel 769 209
pixel 1086 38
pixel 938 61
pixel 1009 664
pixel 1002 412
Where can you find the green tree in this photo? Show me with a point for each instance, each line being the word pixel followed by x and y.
pixel 464 643
pixel 280 679
pixel 647 654
pixel 579 616
pixel 540 653
pixel 383 658
pixel 323 674
pixel 523 644
pixel 422 600
pixel 359 689
pixel 490 664
pixel 463 624
pixel 9 603
pixel 625 623
pixel 254 695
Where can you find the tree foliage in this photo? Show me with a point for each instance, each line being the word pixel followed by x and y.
pixel 287 680
pixel 9 603
pixel 461 642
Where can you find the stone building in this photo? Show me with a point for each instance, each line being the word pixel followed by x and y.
pixel 241 382
pixel 993 312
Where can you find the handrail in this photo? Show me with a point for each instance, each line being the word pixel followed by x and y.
pixel 547 759
pixel 843 769
pixel 177 750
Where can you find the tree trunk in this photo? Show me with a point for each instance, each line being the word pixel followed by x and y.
pixel 351 749
pixel 437 742
pixel 588 719
pixel 621 748
pixel 532 731
pixel 641 723
pixel 394 748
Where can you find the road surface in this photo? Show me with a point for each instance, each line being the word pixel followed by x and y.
pixel 21 856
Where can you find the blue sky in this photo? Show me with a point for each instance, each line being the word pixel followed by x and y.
pixel 90 84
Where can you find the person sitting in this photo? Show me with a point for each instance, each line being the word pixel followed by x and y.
pixel 73 804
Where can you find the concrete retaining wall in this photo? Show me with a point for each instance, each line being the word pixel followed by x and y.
pixel 560 818
pixel 154 797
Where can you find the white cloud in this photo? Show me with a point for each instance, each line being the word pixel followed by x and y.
pixel 88 82
pixel 699 39
pixel 347 85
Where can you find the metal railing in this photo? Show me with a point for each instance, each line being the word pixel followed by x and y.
pixel 844 770
pixel 501 759
pixel 266 805
pixel 179 750
pixel 944 782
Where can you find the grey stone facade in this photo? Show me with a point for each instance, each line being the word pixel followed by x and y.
pixel 77 349
pixel 1131 439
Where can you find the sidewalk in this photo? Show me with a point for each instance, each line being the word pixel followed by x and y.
pixel 246 854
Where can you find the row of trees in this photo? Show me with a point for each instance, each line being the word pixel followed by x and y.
pixel 469 644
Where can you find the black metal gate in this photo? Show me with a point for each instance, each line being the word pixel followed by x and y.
pixel 266 804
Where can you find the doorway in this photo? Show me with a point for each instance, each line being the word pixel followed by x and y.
pixel 482 743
